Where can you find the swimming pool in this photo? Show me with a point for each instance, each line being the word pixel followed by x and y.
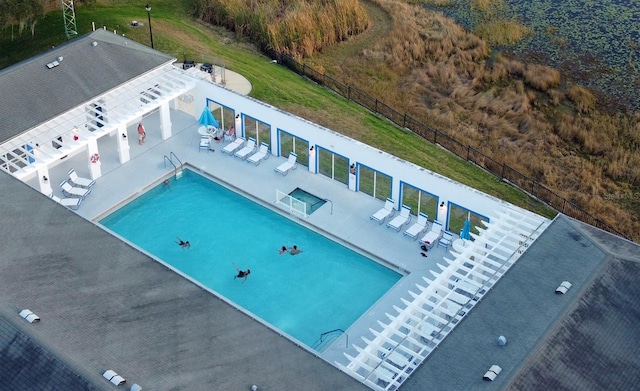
pixel 326 287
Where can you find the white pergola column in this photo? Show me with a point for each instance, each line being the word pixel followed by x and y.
pixel 94 167
pixel 123 143
pixel 312 159
pixel 43 180
pixel 165 120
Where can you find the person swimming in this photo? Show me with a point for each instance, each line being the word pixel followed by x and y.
pixel 241 273
pixel 295 250
pixel 183 244
pixel 283 250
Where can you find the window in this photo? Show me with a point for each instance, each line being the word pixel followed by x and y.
pixel 374 183
pixel 333 165
pixel 419 201
pixel 289 143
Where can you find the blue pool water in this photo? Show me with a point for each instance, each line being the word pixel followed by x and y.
pixel 326 287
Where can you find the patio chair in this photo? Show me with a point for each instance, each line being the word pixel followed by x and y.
pixel 433 235
pixel 249 147
pixel 262 154
pixel 290 164
pixel 417 227
pixel 445 241
pixel 231 148
pixel 72 191
pixel 205 143
pixel 78 181
pixel 403 218
pixel 72 203
pixel 386 211
pixel 230 134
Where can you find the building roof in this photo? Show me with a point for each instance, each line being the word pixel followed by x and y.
pixel 105 305
pixel 583 339
pixel 32 93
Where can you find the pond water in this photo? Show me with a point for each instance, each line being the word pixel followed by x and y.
pixel 596 42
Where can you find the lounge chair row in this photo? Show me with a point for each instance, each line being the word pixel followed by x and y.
pixel 246 150
pixel 415 230
pixel 74 189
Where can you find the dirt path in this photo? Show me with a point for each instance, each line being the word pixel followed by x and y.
pixel 338 55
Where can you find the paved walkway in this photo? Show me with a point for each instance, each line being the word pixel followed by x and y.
pixel 345 219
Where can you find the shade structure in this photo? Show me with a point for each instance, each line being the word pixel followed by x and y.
pixel 207 119
pixel 466 231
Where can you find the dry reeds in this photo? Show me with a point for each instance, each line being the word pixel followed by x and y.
pixel 502 32
pixel 541 77
pixel 584 100
pixel 299 28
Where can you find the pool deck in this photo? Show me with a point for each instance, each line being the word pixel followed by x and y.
pixel 346 218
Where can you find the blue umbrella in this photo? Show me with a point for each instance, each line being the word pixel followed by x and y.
pixel 466 229
pixel 207 119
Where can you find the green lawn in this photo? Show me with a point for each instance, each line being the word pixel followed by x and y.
pixel 177 33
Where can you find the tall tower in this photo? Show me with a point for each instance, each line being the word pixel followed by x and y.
pixel 69 15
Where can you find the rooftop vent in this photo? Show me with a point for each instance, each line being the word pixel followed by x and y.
pixel 113 377
pixel 563 288
pixel 502 340
pixel 94 43
pixel 492 373
pixel 53 64
pixel 136 387
pixel 29 316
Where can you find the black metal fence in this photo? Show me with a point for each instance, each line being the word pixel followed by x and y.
pixel 435 136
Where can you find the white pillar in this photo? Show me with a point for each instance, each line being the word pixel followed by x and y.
pixel 238 126
pixel 165 120
pixel 93 159
pixel 442 213
pixel 312 159
pixel 123 143
pixel 352 177
pixel 43 180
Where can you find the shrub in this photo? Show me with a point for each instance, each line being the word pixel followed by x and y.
pixel 584 100
pixel 541 77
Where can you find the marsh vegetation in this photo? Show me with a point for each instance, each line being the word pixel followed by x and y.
pixel 524 113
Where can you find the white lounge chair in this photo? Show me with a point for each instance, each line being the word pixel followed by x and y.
pixel 249 147
pixel 433 235
pixel 78 181
pixel 403 218
pixel 445 241
pixel 290 164
pixel 417 227
pixel 232 147
pixel 262 154
pixel 205 143
pixel 386 211
pixel 72 191
pixel 73 203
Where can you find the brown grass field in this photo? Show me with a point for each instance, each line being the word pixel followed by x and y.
pixel 527 115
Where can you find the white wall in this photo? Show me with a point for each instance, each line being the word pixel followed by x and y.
pixel 446 189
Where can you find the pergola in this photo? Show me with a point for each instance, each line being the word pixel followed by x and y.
pixel 32 152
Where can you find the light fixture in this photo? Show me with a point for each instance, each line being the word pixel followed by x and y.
pixel 352 169
pixel 124 136
pixel 442 207
pixel 148 8
pixel 312 151
pixel 45 179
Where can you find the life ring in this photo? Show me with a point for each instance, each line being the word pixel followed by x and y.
pixel 95 158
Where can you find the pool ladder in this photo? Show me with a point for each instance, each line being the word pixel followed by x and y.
pixel 330 336
pixel 176 169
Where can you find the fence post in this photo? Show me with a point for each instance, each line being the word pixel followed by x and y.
pixel 468 151
pixel 503 169
pixel 404 120
pixel 349 92
pixel 376 110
